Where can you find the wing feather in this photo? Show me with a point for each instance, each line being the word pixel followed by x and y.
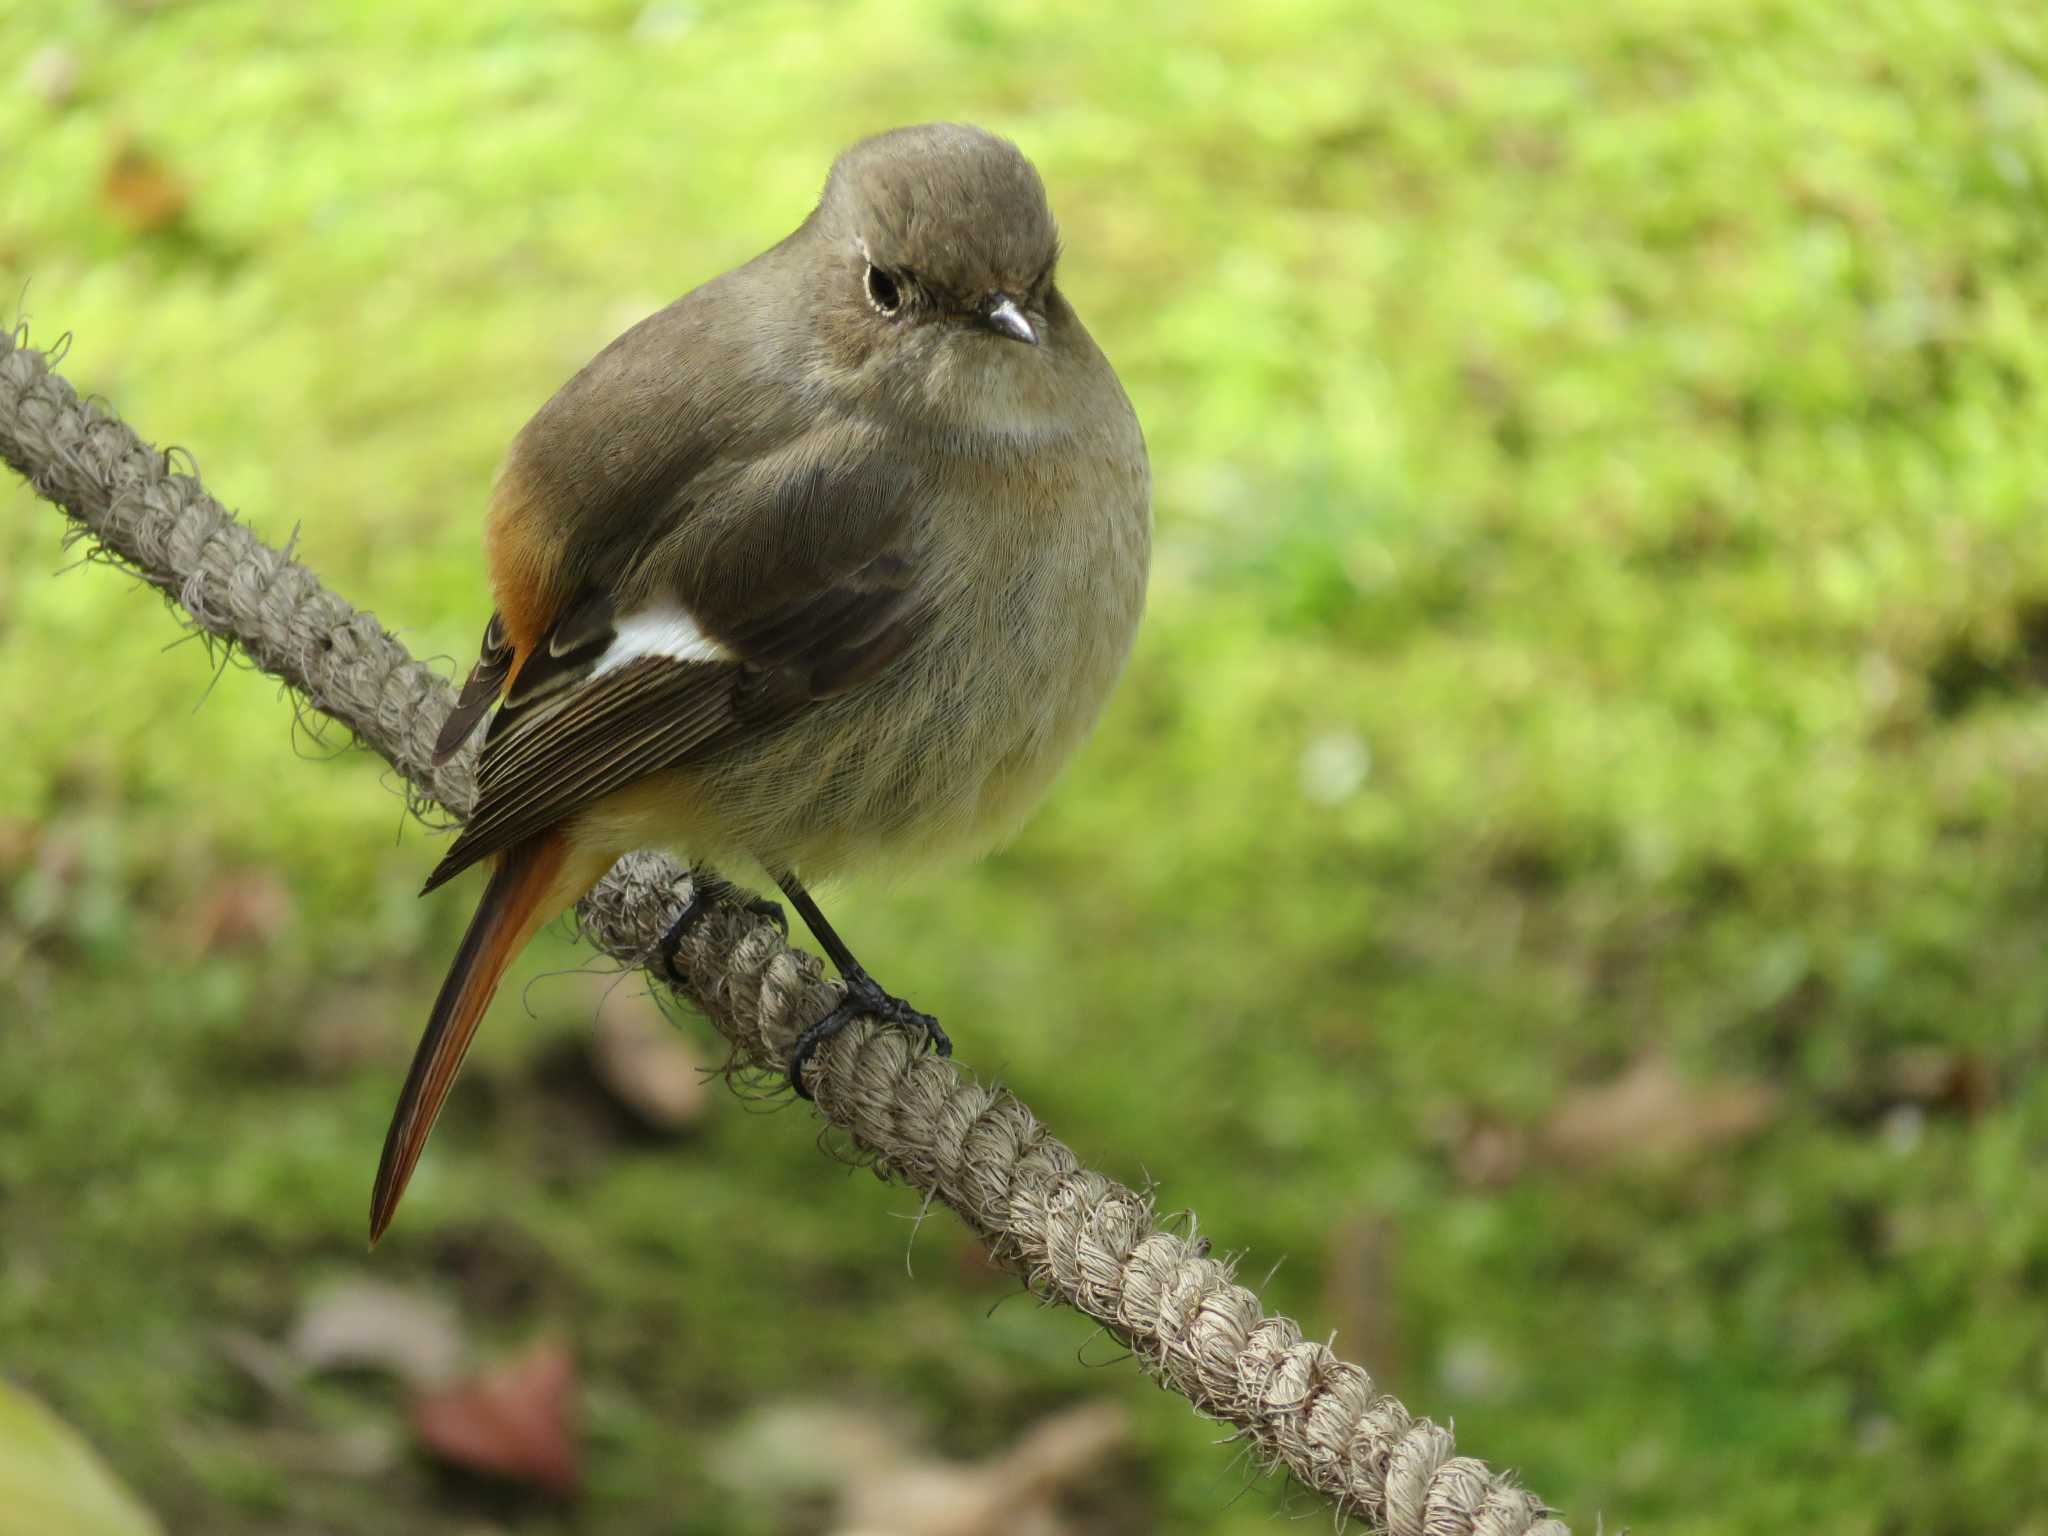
pixel 632 722
pixel 582 715
pixel 486 681
pixel 558 749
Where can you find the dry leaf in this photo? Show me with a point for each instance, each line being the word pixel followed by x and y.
pixel 514 1422
pixel 1058 1452
pixel 141 191
pixel 886 1487
pixel 1650 1113
pixel 1011 1495
pixel 644 1062
pixel 807 1447
pixel 366 1324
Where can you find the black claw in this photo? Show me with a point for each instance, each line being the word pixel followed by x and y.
pixel 762 907
pixel 708 889
pixel 704 895
pixel 863 997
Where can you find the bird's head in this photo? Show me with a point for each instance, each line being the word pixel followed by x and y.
pixel 939 251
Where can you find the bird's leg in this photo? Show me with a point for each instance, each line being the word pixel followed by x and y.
pixel 708 889
pixel 746 900
pixel 863 995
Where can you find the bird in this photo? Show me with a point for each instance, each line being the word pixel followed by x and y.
pixel 828 565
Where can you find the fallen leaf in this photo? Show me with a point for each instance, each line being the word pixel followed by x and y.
pixel 1056 1452
pixel 141 191
pixel 886 1486
pixel 364 1324
pixel 1015 1494
pixel 514 1421
pixel 1650 1113
pixel 52 1481
pixel 644 1062
pixel 808 1447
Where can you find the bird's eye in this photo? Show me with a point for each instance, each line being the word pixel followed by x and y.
pixel 882 291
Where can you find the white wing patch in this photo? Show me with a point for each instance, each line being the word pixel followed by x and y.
pixel 662 630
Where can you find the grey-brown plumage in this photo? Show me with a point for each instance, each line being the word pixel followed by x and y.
pixel 833 561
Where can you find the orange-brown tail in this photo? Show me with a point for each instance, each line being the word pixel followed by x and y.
pixel 514 905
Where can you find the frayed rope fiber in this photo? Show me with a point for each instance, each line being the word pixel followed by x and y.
pixel 1073 1235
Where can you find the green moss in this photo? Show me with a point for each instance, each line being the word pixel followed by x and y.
pixel 1616 427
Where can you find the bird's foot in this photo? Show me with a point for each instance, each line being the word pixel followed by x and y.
pixel 701 901
pixel 709 889
pixel 863 997
pixel 772 911
pixel 722 892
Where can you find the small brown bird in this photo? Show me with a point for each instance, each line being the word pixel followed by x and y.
pixel 828 564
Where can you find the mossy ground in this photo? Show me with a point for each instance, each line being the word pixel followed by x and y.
pixel 1601 607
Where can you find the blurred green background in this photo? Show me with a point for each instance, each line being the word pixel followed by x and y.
pixel 1565 878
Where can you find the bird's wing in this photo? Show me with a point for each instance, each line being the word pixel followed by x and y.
pixel 792 586
pixel 479 692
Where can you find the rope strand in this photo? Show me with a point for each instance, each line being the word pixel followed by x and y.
pixel 1074 1235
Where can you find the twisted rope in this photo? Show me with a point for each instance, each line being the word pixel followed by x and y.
pixel 1073 1235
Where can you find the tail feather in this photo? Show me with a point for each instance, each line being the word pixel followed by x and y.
pixel 514 904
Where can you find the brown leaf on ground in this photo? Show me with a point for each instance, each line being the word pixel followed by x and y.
pixel 140 191
pixel 885 1486
pixel 644 1062
pixel 365 1324
pixel 515 1421
pixel 1015 1494
pixel 1649 1113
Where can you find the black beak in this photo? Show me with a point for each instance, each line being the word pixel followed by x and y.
pixel 1002 316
